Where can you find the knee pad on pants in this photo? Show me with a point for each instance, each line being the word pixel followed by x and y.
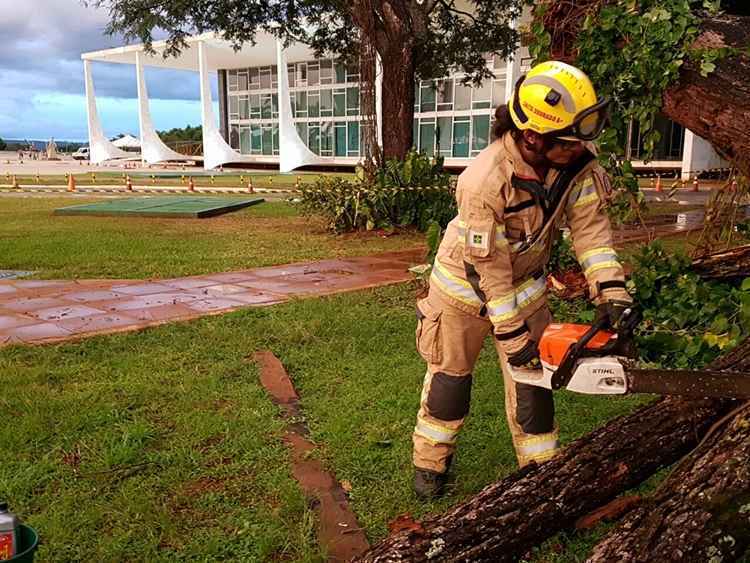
pixel 535 409
pixel 449 396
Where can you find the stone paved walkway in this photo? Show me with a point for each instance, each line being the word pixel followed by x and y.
pixel 36 311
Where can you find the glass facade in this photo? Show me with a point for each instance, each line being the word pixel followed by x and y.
pixel 670 145
pixel 451 118
pixel 325 106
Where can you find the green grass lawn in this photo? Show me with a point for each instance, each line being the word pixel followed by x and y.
pixel 33 239
pixel 161 445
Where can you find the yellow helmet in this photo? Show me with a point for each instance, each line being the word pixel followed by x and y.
pixel 555 97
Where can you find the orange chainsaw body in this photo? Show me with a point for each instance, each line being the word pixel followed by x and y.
pixel 559 337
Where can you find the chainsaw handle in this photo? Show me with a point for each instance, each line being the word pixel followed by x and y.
pixel 564 371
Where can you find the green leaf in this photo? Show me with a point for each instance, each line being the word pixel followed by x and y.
pixel 707 68
pixel 745 284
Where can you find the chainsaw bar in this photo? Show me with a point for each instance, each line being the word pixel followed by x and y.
pixel 690 383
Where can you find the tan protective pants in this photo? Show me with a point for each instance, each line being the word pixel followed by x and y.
pixel 450 341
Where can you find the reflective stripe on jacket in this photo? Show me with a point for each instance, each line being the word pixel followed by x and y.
pixel 492 256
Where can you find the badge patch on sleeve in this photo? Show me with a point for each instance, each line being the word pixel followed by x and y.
pixel 479 240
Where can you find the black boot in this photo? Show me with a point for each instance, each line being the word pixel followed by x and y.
pixel 429 484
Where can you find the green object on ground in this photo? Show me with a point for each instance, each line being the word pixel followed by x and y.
pixel 28 540
pixel 196 207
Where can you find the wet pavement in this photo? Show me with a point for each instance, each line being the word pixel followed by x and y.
pixel 38 311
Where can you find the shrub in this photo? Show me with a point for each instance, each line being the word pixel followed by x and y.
pixel 412 192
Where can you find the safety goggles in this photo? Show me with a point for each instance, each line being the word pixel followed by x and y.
pixel 587 125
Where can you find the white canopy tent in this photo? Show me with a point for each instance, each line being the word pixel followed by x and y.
pixel 204 53
pixel 127 142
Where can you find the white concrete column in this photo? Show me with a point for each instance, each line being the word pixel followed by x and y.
pixel 698 155
pixel 153 149
pixel 293 152
pixel 216 151
pixel 100 148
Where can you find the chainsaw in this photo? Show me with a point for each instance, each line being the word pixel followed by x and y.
pixel 591 360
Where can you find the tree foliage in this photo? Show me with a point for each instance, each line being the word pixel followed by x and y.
pixel 3 144
pixel 414 38
pixel 187 133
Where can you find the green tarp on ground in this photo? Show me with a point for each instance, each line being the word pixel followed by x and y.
pixel 195 207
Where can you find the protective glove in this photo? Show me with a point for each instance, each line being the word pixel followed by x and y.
pixel 527 357
pixel 611 312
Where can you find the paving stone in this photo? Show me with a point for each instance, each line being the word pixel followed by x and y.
pixel 142 289
pixel 102 323
pixel 69 312
pixel 213 304
pixel 35 333
pixel 10 321
pixel 28 304
pixel 93 295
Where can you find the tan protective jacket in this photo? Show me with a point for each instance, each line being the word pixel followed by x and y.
pixel 492 257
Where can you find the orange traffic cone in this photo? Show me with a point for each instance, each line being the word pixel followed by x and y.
pixel 250 188
pixel 128 184
pixel 191 184
pixel 695 184
pixel 658 183
pixel 71 183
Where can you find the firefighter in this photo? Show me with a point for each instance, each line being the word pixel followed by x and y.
pixel 489 273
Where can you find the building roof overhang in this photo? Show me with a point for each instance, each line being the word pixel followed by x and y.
pixel 220 53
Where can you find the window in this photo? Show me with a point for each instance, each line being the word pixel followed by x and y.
pixel 326 103
pixel 265 78
pixel 352 73
pixel 498 92
pixel 340 73
pixel 232 80
pixel 461 137
pixel 416 97
pixel 301 74
pixel 340 139
pixel 234 137
pixel 313 74
pixel 353 138
pixel 290 74
pixel 274 76
pixel 242 81
pixel 276 139
pixel 234 107
pixel 427 136
pixel 244 108
pixel 254 78
pixel 256 139
pixel 352 101
pixel 326 71
pixel 266 111
pixel 301 104
pixel 462 98
pixel 480 133
pixel 245 140
pixel 482 95
pixel 415 134
pixel 313 104
pixel 339 102
pixel 267 139
pixel 326 138
pixel 427 96
pixel 445 95
pixel 444 135
pixel 255 106
pixel 275 105
pixel 313 130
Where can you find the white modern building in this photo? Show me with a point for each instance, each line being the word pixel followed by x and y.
pixel 319 120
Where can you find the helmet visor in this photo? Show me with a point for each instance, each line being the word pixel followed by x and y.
pixel 589 123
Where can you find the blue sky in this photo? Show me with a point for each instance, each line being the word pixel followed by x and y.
pixel 41 74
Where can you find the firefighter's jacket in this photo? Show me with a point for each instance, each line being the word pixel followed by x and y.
pixel 493 255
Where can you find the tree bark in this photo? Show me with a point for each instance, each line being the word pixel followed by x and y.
pixel 509 517
pixel 734 263
pixel 398 99
pixel 700 513
pixel 717 106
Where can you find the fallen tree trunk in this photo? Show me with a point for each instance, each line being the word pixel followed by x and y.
pixel 509 517
pixel 733 263
pixel 700 513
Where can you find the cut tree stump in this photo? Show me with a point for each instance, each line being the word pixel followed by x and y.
pixel 509 517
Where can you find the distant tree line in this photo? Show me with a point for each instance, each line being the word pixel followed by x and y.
pixel 177 134
pixel 3 144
